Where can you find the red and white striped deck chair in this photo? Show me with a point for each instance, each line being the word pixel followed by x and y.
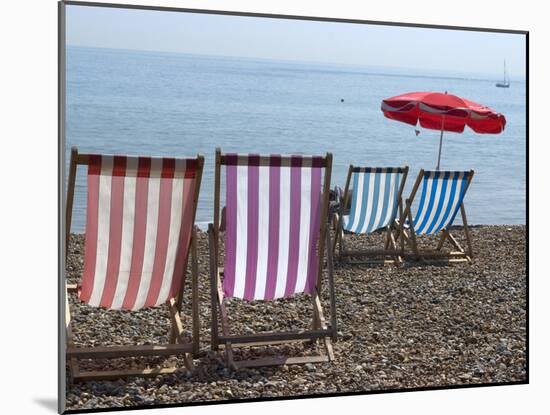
pixel 276 234
pixel 139 232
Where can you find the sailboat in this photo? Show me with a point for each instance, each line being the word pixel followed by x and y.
pixel 505 82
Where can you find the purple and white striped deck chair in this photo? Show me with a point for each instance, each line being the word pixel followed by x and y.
pixel 274 243
pixel 441 197
pixel 375 204
pixel 140 231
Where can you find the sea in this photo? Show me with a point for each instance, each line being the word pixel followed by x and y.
pixel 172 104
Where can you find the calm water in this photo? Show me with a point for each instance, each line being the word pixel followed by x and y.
pixel 147 103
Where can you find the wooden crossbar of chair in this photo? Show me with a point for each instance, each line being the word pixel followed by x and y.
pixel 178 344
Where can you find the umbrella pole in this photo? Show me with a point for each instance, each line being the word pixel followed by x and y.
pixel 439 154
pixel 441 140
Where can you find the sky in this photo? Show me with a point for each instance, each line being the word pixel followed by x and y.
pixel 426 50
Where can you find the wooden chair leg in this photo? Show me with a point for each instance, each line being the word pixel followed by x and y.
pixel 399 236
pixel 214 345
pixel 400 225
pixel 73 362
pixel 315 320
pixel 402 235
pixel 342 246
pixel 398 258
pixel 224 323
pixel 407 240
pixel 444 235
pixel 336 234
pixel 466 230
pixel 332 294
pixel 318 311
pixel 396 230
pixel 413 235
pixel 388 238
pixel 177 330
pixel 195 294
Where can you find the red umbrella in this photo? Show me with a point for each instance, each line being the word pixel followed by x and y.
pixel 445 112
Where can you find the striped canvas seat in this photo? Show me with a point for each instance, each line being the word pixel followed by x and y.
pixel 138 230
pixel 442 194
pixel 375 199
pixel 272 225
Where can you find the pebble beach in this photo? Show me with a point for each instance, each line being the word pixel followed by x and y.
pixel 398 328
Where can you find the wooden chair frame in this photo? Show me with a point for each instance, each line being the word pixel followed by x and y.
pixel 178 344
pixel 392 231
pixel 436 255
pixel 319 330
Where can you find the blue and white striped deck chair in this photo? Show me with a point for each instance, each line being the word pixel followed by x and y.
pixel 441 197
pixel 375 204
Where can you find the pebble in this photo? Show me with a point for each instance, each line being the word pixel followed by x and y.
pixel 413 326
pixel 310 367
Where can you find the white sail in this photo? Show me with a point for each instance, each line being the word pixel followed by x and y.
pixel 505 82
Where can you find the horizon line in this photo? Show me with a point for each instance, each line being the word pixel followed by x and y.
pixel 436 74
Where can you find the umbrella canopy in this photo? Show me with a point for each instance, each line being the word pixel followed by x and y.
pixel 444 112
